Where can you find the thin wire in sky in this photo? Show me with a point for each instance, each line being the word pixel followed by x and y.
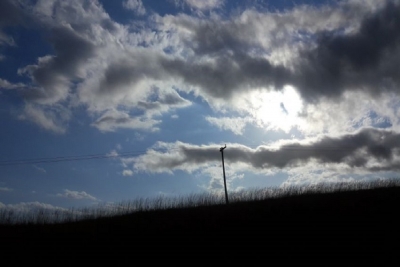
pixel 142 152
pixel 70 158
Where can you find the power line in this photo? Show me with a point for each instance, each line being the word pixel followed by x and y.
pixel 141 152
pixel 71 158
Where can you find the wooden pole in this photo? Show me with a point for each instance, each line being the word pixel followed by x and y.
pixel 223 168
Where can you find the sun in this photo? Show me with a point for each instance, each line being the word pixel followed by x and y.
pixel 277 110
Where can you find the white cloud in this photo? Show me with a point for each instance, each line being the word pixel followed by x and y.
pixel 49 118
pixel 202 5
pixel 236 125
pixel 39 169
pixel 135 5
pixel 127 173
pixel 332 175
pixel 76 195
pixel 4 84
pixel 216 182
pixel 112 120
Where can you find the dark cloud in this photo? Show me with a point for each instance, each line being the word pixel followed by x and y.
pixel 112 119
pixel 354 150
pixel 365 60
pixel 228 74
pixel 378 144
pixel 10 13
pixel 118 75
pixel 130 71
pixel 215 37
pixel 235 62
pixel 149 105
pixel 381 147
pixel 168 100
pixel 53 74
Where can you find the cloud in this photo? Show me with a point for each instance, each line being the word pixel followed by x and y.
pixel 236 125
pixel 156 103
pixel 4 84
pixel 264 52
pixel 39 169
pixel 6 40
pixel 166 100
pixel 129 76
pixel 201 5
pixel 113 153
pixel 135 5
pixel 51 118
pixel 368 149
pixel 34 212
pixel 10 15
pixel 53 74
pixel 26 207
pixel 76 30
pixel 216 183
pixel 240 51
pixel 363 60
pixel 127 173
pixel 112 120
pixel 6 189
pixel 76 195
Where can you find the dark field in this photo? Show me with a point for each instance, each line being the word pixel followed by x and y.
pixel 352 227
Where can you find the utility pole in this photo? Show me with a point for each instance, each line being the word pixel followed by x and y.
pixel 223 168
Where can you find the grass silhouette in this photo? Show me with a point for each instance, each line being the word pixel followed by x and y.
pixel 353 223
pixel 42 216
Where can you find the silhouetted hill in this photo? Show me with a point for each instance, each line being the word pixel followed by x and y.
pixel 340 228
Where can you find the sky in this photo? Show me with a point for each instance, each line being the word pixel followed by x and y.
pixel 106 101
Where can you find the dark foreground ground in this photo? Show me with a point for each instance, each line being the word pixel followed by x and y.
pixel 339 229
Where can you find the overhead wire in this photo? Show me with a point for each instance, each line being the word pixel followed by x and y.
pixel 142 152
pixel 71 158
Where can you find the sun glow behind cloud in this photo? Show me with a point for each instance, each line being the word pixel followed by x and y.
pixel 276 110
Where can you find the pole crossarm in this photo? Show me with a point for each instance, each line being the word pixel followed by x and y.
pixel 222 148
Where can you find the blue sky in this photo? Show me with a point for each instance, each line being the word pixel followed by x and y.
pixel 105 101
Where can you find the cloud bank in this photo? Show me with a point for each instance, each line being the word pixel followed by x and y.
pixel 366 151
pixel 324 53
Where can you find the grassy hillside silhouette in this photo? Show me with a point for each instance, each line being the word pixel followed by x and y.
pixel 346 224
